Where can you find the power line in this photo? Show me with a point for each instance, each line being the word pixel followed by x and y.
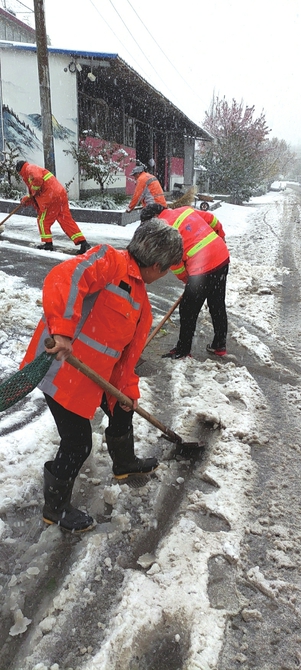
pixel 138 45
pixel 139 67
pixel 164 54
pixel 30 9
pixel 22 3
pixel 112 31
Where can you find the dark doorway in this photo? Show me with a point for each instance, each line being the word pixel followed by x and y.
pixel 143 143
pixel 145 151
pixel 161 170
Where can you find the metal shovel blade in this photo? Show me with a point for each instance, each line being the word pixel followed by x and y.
pixel 186 450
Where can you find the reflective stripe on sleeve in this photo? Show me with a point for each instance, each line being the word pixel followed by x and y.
pixel 47 176
pixel 77 275
pixel 179 270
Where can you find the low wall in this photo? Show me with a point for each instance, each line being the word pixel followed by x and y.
pixel 116 217
pixel 113 216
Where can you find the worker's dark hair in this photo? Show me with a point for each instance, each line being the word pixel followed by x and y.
pixel 156 242
pixel 19 165
pixel 151 210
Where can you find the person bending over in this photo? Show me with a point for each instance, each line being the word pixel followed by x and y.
pixel 97 307
pixel 203 269
pixel 50 200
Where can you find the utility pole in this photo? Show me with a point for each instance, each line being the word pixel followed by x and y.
pixel 44 81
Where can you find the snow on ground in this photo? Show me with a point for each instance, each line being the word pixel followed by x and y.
pixel 173 585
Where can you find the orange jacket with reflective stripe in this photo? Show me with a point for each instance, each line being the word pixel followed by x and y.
pixel 41 183
pixel 100 301
pixel 148 190
pixel 204 250
pixel 213 222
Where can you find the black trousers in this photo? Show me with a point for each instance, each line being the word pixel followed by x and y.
pixel 210 287
pixel 76 435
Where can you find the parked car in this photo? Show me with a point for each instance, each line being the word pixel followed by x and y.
pixel 278 186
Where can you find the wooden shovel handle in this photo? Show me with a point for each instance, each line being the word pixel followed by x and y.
pixel 103 383
pixel 11 213
pixel 159 326
pixel 121 397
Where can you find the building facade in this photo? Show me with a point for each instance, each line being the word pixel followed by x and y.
pixel 99 97
pixel 13 29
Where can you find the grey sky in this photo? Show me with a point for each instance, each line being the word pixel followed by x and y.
pixel 249 51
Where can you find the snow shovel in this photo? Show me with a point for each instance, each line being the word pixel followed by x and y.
pixel 11 213
pixel 124 400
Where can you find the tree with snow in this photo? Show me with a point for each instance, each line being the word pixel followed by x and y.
pixel 98 160
pixel 8 173
pixel 278 160
pixel 234 160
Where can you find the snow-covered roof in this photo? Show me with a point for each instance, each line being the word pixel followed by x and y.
pixel 24 46
pixel 132 82
pixel 9 16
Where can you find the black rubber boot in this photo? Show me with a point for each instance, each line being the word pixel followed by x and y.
pixel 84 246
pixel 58 509
pixel 174 354
pixel 125 463
pixel 48 246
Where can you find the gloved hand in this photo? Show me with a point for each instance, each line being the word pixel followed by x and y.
pixel 128 210
pixel 26 200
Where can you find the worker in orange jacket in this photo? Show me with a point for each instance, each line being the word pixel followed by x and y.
pixel 49 198
pixel 148 189
pixel 97 308
pixel 203 269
